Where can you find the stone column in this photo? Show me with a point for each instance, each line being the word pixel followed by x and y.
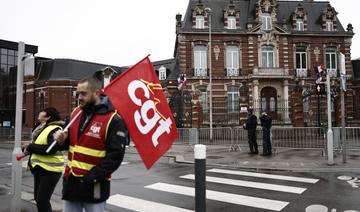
pixel 286 117
pixel 256 98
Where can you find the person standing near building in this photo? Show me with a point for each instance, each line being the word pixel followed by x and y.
pixel 96 142
pixel 250 125
pixel 46 167
pixel 266 122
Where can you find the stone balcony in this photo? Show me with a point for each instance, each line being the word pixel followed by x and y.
pixel 271 73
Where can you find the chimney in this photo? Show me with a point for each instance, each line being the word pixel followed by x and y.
pixel 178 22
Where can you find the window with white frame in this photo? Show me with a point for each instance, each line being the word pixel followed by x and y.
pixel 330 56
pixel 204 101
pixel 231 22
pixel 267 57
pixel 301 61
pixel 232 61
pixel 299 24
pixel 199 22
pixel 162 73
pixel 329 25
pixel 266 22
pixel 233 99
pixel 200 61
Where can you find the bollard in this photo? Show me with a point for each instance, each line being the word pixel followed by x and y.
pixel 200 178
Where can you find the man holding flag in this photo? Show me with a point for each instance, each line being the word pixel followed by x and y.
pixel 96 143
pixel 97 139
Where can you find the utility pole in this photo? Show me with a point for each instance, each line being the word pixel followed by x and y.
pixel 209 11
pixel 16 179
pixel 342 96
pixel 330 138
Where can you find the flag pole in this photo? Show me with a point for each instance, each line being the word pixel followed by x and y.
pixel 66 129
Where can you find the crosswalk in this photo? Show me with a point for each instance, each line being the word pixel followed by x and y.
pixel 271 183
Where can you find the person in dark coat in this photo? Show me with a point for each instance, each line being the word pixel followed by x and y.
pixel 266 126
pixel 250 125
pixel 96 142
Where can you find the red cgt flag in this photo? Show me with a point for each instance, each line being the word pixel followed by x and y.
pixel 138 97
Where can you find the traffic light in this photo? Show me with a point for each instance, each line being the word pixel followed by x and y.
pixel 319 83
pixel 320 88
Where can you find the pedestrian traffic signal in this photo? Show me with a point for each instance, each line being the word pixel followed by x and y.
pixel 320 88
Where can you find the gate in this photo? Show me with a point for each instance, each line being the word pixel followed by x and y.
pixel 180 104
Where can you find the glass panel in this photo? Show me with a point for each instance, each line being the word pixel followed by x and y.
pixel 272 104
pixel 232 57
pixel 200 63
pixel 199 23
pixel 303 58
pixel 11 60
pixel 4 59
pixel 231 22
pixel 11 52
pixel 203 100
pixel 263 104
pixel 298 60
pixel 306 104
pixel 271 59
pixel 333 64
pixel 3 51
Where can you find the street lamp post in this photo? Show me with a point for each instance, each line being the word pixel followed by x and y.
pixel 208 10
pixel 17 165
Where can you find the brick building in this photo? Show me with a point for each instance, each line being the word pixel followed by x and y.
pixel 262 56
pixel 54 83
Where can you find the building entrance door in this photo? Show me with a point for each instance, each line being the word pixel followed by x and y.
pixel 269 101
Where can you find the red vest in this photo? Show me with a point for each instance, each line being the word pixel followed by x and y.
pixel 89 149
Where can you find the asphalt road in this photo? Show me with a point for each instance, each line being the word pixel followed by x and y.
pixel 170 187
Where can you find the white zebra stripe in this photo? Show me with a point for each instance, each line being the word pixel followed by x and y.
pixel 268 176
pixel 250 184
pixel 137 204
pixel 274 205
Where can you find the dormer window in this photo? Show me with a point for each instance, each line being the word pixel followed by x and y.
pixel 266 22
pixel 199 22
pixel 231 21
pixel 329 25
pixel 328 19
pixel 162 73
pixel 299 24
pixel 299 18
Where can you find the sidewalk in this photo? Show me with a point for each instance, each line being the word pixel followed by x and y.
pixel 306 160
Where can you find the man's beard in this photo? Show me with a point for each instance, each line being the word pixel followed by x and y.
pixel 89 104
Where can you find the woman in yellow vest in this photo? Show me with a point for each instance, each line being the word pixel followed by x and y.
pixel 46 167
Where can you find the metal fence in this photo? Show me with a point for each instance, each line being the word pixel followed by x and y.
pixel 282 137
pixel 9 133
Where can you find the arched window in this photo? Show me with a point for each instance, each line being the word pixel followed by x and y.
pixel 200 61
pixel 267 57
pixel 301 61
pixel 330 57
pixel 299 24
pixel 266 22
pixel 162 73
pixel 232 61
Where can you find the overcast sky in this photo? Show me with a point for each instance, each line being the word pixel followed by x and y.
pixel 114 32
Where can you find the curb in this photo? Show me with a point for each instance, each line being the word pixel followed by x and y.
pixel 180 159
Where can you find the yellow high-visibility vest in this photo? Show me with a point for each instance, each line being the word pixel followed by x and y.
pixel 54 162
